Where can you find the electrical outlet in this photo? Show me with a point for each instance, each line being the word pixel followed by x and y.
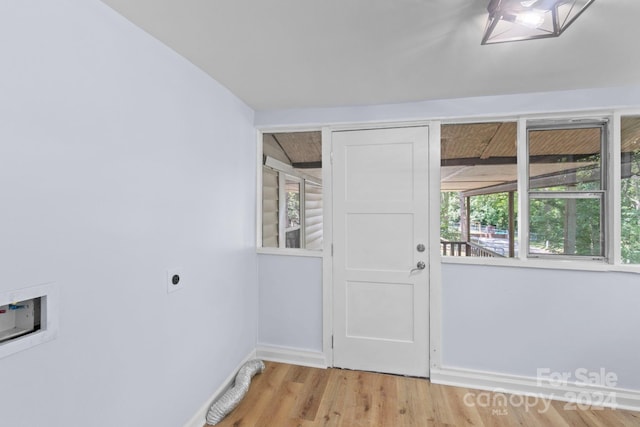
pixel 175 279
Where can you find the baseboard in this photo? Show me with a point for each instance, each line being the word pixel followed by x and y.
pixel 288 355
pixel 200 418
pixel 582 395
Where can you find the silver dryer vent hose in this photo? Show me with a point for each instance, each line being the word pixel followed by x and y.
pixel 234 395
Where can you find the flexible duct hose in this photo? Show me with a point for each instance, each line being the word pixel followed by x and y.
pixel 234 395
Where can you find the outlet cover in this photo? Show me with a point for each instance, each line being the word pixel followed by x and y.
pixel 175 279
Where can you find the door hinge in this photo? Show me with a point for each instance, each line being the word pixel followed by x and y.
pixel 332 249
pixel 331 341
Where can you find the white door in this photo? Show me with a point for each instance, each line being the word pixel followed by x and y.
pixel 380 274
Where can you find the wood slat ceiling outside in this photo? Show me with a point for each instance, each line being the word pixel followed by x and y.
pixel 564 141
pixel 301 147
pixel 481 141
pixel 630 134
pixel 478 140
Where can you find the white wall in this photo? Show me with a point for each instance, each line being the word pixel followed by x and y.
pixel 119 160
pixel 486 106
pixel 515 320
pixel 290 313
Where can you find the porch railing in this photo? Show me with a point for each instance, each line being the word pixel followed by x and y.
pixel 451 248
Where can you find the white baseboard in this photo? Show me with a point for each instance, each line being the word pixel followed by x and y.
pixel 295 357
pixel 583 395
pixel 200 418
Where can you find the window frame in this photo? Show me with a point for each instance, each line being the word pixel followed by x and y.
pixel 602 194
pixel 612 226
pixel 283 169
pixel 285 177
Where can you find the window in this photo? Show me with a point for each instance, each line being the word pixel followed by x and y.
pixel 630 190
pixel 292 190
pixel 566 189
pixel 478 209
pixel 567 184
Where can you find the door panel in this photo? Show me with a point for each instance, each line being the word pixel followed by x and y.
pixel 382 311
pixel 380 216
pixel 386 248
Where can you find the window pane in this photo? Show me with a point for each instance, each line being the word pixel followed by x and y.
pixel 630 190
pixel 292 190
pixel 292 227
pixel 478 173
pixel 565 159
pixel 489 225
pixel 312 216
pixel 565 226
pixel 270 205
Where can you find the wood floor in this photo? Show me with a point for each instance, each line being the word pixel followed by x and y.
pixel 293 396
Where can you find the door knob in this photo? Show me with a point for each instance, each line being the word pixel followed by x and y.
pixel 419 266
pixel 420 247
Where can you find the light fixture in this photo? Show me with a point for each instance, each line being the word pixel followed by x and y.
pixel 513 20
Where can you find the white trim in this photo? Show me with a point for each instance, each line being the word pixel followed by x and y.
pixel 522 177
pixel 313 253
pixel 378 125
pixel 614 191
pixel 199 419
pixel 545 264
pixel 259 172
pixel 327 236
pixel 542 388
pixel 314 359
pixel 435 270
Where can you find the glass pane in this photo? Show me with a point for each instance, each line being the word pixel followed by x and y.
pixel 630 190
pixel 292 227
pixel 478 161
pixel 489 226
pixel 565 226
pixel 270 205
pixel 312 216
pixel 292 197
pixel 565 159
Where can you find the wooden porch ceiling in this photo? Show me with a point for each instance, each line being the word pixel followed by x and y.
pixel 483 155
pixel 475 155
pixel 303 149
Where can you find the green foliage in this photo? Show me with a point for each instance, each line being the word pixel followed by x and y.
pixel 293 208
pixel 449 214
pixel 488 209
pixel 565 226
pixel 630 213
pixel 491 209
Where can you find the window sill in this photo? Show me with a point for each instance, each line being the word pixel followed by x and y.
pixel 543 264
pixel 290 252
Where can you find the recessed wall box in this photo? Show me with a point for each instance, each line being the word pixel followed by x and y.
pixel 20 318
pixel 27 317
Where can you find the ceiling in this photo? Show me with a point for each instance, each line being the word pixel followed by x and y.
pixel 281 54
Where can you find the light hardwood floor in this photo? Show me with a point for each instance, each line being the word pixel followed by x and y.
pixel 293 396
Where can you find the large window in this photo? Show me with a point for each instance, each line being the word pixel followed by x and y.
pixel 478 201
pixel 292 190
pixel 566 190
pixel 630 190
